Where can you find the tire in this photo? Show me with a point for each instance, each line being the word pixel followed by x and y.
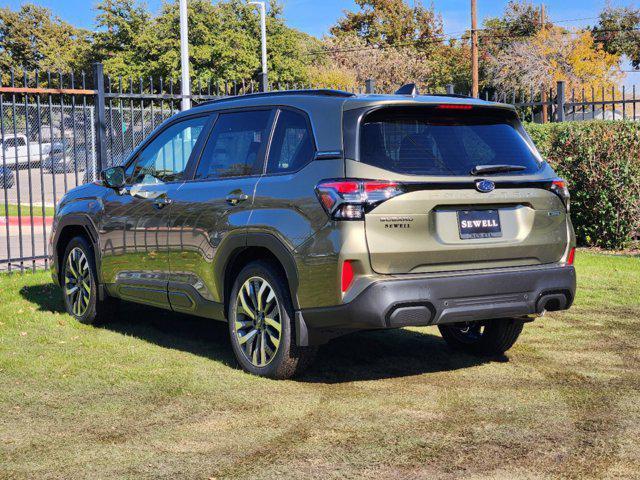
pixel 265 313
pixel 80 271
pixel 490 338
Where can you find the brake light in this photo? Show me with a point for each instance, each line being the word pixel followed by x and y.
pixel 454 106
pixel 347 275
pixel 559 187
pixel 571 257
pixel 350 199
pixel 343 187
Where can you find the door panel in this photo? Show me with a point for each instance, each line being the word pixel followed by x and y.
pixel 133 242
pixel 135 222
pixel 202 219
pixel 216 205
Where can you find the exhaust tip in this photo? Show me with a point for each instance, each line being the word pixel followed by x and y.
pixel 552 302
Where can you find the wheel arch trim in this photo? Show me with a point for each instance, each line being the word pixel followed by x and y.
pixel 76 220
pixel 236 244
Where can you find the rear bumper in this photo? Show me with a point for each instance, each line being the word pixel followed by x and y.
pixel 438 300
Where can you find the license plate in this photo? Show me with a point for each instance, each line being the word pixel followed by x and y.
pixel 479 224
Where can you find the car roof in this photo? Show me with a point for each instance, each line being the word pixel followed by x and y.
pixel 343 99
pixel 324 106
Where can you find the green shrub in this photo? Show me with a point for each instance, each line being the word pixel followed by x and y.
pixel 601 162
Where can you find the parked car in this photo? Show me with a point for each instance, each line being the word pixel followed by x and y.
pixel 65 157
pixel 7 178
pixel 300 216
pixel 18 151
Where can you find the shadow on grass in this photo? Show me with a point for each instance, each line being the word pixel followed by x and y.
pixel 382 354
pixel 354 357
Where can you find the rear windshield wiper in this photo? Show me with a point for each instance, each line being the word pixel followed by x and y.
pixel 479 169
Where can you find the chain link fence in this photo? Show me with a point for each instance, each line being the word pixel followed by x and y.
pixel 58 131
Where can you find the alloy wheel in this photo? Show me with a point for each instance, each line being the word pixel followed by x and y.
pixel 257 325
pixel 77 282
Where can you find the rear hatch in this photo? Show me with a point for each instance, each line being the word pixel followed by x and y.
pixel 475 193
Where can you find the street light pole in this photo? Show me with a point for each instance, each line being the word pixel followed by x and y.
pixel 263 30
pixel 184 56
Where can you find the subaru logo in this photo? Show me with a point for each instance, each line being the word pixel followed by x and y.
pixel 485 186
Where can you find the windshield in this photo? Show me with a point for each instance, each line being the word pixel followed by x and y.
pixel 442 141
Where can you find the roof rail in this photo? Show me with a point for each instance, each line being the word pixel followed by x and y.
pixel 454 95
pixel 319 92
pixel 412 90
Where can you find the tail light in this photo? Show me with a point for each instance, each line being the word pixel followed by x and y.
pixel 571 257
pixel 454 106
pixel 350 199
pixel 347 275
pixel 559 187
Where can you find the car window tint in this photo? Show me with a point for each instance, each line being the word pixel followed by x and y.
pixel 292 144
pixel 441 141
pixel 235 145
pixel 12 142
pixel 166 157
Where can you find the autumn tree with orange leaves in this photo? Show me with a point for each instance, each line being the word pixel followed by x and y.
pixel 551 55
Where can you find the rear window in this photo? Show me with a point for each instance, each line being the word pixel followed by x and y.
pixel 438 141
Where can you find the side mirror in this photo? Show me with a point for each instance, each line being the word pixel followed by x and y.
pixel 113 177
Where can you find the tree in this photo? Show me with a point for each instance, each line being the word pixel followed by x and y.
pixel 390 22
pixel 120 24
pixel 549 56
pixel 389 67
pixel 618 30
pixel 394 43
pixel 33 38
pixel 501 35
pixel 520 19
pixel 224 41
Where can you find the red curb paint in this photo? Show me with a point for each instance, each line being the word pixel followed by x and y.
pixel 14 221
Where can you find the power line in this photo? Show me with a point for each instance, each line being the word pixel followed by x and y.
pixel 569 20
pixel 450 37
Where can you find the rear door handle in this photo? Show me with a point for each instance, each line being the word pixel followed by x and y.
pixel 236 198
pixel 161 202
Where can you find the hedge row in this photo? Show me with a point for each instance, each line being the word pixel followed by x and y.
pixel 601 162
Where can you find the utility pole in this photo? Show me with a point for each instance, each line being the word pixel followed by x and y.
pixel 184 56
pixel 543 94
pixel 474 50
pixel 263 32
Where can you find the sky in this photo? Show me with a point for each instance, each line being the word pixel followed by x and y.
pixel 315 17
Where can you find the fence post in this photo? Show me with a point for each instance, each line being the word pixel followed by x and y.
pixel 560 102
pixel 99 119
pixel 450 89
pixel 263 82
pixel 369 86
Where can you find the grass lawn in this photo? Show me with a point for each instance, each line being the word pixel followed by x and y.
pixel 157 395
pixel 11 210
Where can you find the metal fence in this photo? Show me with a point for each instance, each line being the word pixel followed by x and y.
pixel 560 104
pixel 58 131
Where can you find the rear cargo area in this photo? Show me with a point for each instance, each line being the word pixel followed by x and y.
pixel 474 191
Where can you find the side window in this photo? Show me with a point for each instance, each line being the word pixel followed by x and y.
pixel 15 141
pixel 166 157
pixel 292 144
pixel 235 145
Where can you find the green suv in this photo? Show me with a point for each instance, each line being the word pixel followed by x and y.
pixel 300 216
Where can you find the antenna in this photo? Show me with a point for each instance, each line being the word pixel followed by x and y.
pixel 408 89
